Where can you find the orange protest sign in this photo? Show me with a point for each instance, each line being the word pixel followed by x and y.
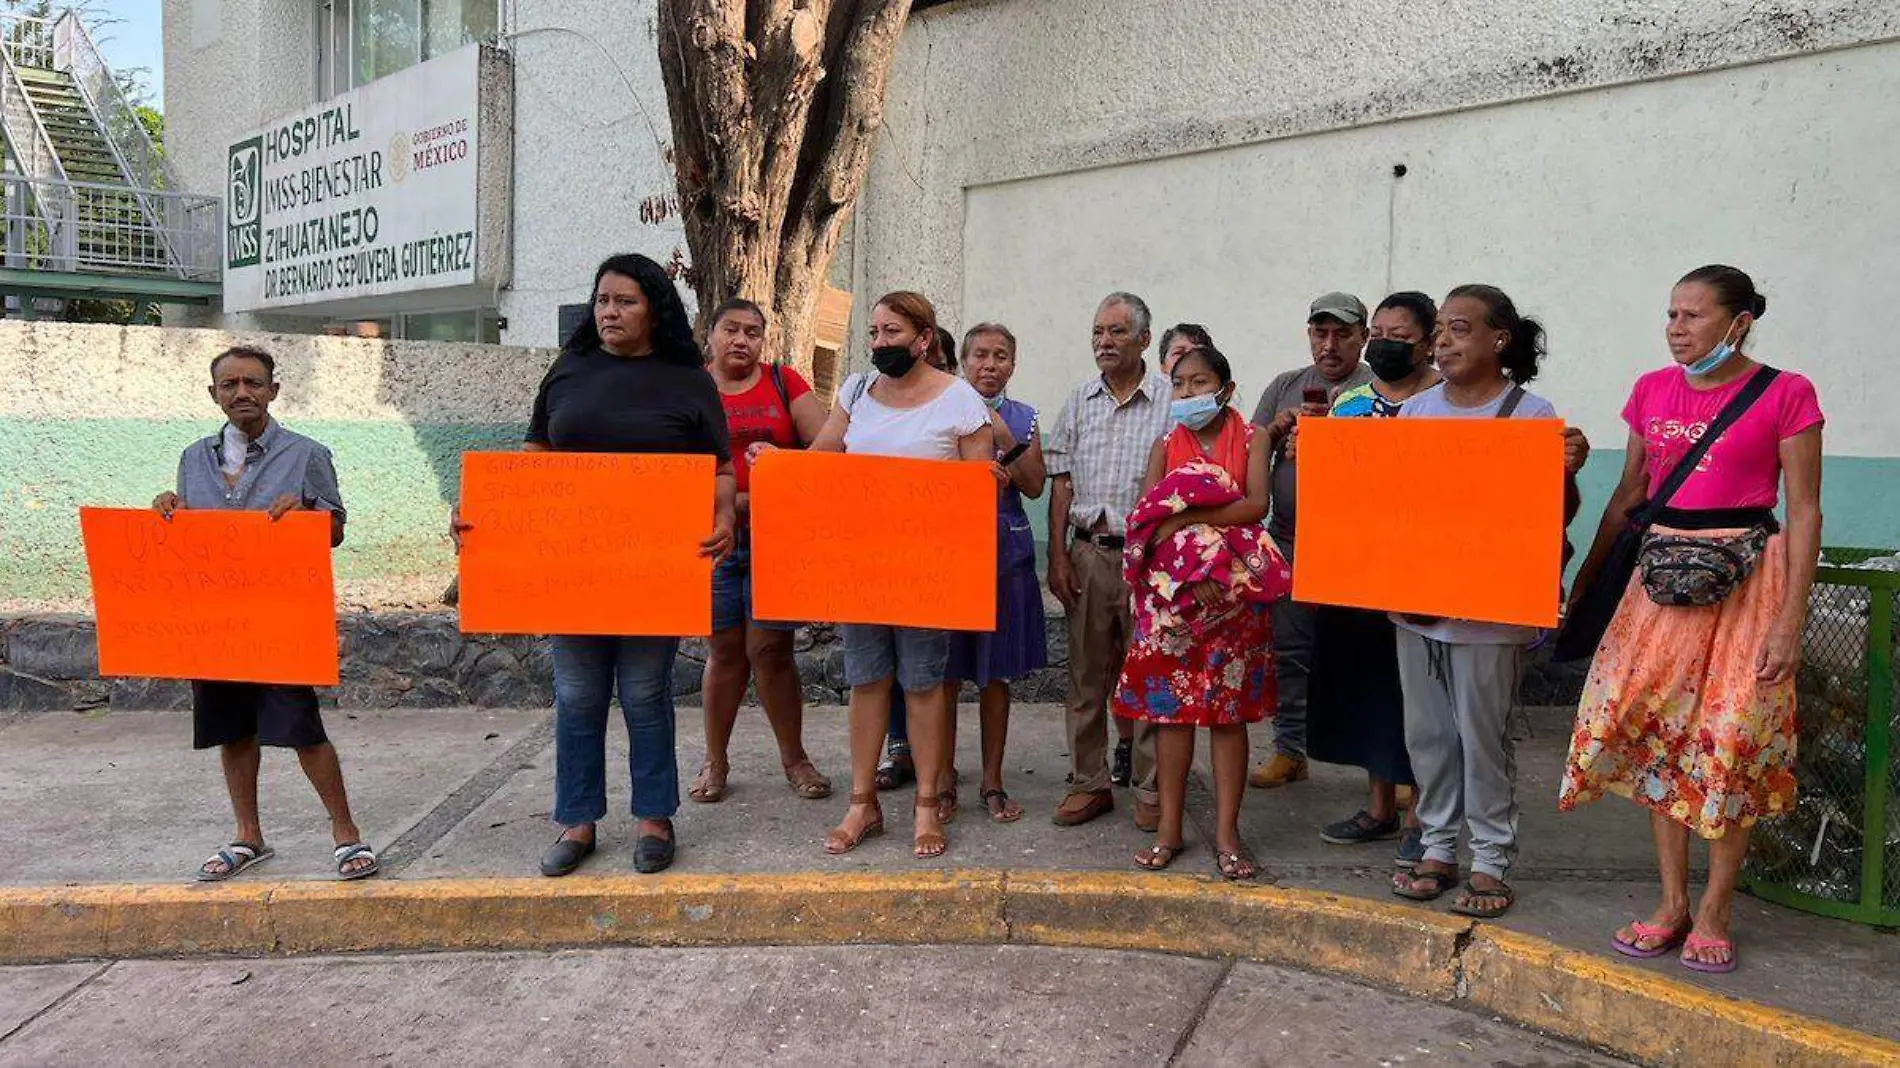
pixel 213 595
pixel 1461 518
pixel 586 543
pixel 873 539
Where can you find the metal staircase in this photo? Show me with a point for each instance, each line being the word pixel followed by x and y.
pixel 90 206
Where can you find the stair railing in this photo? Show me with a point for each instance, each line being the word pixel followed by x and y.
pixel 139 160
pixel 92 230
pixel 32 151
pixel 145 165
pixel 27 41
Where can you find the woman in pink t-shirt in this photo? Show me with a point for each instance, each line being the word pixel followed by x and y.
pixel 1690 710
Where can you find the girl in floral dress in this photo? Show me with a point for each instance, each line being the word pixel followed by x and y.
pixel 1690 710
pixel 1203 571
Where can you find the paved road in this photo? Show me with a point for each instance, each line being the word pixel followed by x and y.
pixel 872 1005
pixel 120 797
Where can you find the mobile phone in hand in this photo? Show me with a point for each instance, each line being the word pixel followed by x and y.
pixel 1015 453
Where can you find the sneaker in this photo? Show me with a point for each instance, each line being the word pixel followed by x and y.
pixel 1360 829
pixel 1411 847
pixel 1279 771
pixel 1123 771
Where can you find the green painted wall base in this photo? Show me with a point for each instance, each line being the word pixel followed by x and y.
pixel 397 482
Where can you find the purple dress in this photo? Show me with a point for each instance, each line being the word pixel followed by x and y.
pixel 1019 644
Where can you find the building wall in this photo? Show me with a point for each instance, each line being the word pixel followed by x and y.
pixel 1581 154
pixel 230 66
pixel 591 179
pixel 98 415
pixel 590 125
pixel 1229 165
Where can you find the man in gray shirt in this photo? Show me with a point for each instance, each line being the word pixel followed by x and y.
pixel 254 464
pixel 1336 336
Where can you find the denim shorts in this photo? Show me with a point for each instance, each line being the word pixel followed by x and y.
pixel 732 588
pixel 873 652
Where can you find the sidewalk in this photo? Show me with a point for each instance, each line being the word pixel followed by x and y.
pixel 121 798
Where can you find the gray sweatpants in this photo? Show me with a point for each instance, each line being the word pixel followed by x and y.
pixel 1457 709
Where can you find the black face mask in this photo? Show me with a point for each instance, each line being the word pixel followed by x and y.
pixel 893 361
pixel 1391 360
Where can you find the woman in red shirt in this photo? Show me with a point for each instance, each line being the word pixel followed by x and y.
pixel 767 406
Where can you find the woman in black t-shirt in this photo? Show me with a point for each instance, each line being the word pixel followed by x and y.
pixel 630 379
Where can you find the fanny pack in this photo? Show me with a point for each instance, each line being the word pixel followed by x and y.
pixel 1684 570
pixel 1590 617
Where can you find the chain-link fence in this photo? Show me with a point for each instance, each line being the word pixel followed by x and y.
pixel 1838 852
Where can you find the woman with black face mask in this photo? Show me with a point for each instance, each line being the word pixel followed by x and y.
pixel 1399 354
pixel 906 408
pixel 1356 713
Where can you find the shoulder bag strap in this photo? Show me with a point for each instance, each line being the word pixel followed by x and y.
pixel 1730 412
pixel 858 391
pixel 1511 401
pixel 776 370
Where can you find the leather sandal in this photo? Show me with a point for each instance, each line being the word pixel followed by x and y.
pixel 840 841
pixel 709 786
pixel 930 843
pixel 1003 809
pixel 806 781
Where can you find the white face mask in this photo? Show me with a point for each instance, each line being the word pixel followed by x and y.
pixel 1719 355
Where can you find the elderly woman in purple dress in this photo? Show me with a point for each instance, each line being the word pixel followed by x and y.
pixel 1018 646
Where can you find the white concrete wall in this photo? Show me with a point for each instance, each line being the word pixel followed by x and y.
pixel 1582 154
pixel 230 66
pixel 590 123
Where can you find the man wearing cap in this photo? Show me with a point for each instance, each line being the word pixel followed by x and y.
pixel 1336 336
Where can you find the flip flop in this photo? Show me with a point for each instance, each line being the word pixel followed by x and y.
pixel 353 851
pixel 1157 857
pixel 1695 943
pixel 1464 907
pixel 1235 867
pixel 1671 937
pixel 235 857
pixel 1006 812
pixel 1441 882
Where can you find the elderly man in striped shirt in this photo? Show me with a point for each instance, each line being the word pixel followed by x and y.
pixel 1097 453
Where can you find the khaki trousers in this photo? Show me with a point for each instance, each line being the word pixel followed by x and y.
pixel 1099 630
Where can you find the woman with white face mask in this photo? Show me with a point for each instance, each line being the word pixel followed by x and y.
pixel 1690 704
pixel 1203 571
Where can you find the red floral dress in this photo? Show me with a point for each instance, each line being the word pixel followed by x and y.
pixel 1191 664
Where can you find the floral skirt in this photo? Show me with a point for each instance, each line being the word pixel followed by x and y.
pixel 1673 717
pixel 1222 677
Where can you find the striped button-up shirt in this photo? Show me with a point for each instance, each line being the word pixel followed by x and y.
pixel 1102 445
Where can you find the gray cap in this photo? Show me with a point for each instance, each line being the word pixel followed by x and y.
pixel 1342 306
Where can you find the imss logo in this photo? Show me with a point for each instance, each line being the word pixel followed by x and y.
pixel 243 203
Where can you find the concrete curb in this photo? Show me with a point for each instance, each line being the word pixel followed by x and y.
pixel 1426 954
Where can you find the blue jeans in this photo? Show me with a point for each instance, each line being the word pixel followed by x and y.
pixel 900 716
pixel 586 672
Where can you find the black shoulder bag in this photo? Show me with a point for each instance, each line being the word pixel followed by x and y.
pixel 1583 629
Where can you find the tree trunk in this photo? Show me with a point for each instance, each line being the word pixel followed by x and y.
pixel 775 105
